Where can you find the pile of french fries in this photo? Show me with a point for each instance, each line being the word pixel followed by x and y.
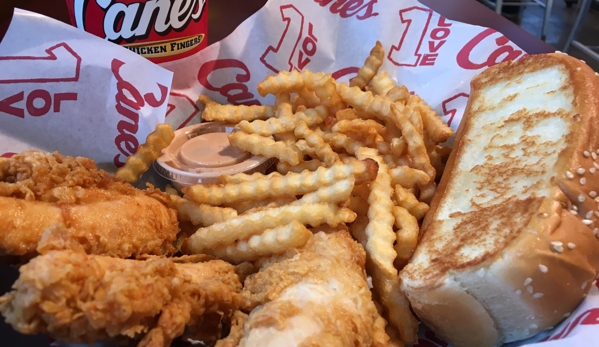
pixel 363 156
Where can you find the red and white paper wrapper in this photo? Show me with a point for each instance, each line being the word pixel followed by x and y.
pixel 431 55
pixel 62 89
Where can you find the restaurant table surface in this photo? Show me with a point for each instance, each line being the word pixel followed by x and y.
pixel 224 17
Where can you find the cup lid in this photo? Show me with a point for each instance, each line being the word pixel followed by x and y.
pixel 201 152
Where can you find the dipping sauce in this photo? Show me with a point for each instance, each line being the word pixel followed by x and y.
pixel 211 150
pixel 201 153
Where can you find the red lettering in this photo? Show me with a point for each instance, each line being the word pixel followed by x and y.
pixel 60 97
pixel 432 48
pixel 417 20
pixel 345 71
pixel 505 52
pixel 35 97
pixel 301 63
pixel 236 98
pixel 442 22
pixel 451 105
pixel 125 141
pixel 226 90
pixel 439 33
pixel 369 11
pixel 151 99
pixel 429 59
pixel 38 94
pixel 350 8
pixel 127 144
pixel 123 125
pixel 6 105
pixel 138 101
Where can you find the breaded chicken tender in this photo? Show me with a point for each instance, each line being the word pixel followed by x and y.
pixel 42 192
pixel 317 296
pixel 75 297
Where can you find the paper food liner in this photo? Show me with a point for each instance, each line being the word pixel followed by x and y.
pixel 62 89
pixel 433 56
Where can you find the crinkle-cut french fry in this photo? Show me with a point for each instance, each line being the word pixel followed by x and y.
pixel 365 115
pixel 242 177
pixel 346 114
pixel 385 334
pixel 329 123
pixel 310 165
pixel 427 192
pixel 245 226
pixel 437 130
pixel 398 146
pixel 383 147
pixel 290 184
pixel 407 200
pixel 382 83
pixel 326 90
pixel 266 146
pixel 380 106
pixel 288 82
pixel 307 98
pixel 314 140
pixel 407 235
pixel 205 99
pixel 170 190
pixel 370 68
pixel 398 94
pixel 380 227
pixel 288 137
pixel 407 177
pixel 249 205
pixel 236 113
pixel 363 125
pixel 270 242
pixel 286 121
pixel 387 289
pixel 305 148
pixel 342 141
pixel 444 151
pixel 433 155
pixel 391 161
pixel 283 98
pixel 297 102
pixel 362 190
pixel 140 162
pixel 416 120
pixel 201 214
pixel 334 193
pixel 327 229
pixel 416 148
pixel 358 205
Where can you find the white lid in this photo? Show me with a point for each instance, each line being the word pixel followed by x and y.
pixel 201 153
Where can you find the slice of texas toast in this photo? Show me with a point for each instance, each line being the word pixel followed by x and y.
pixel 487 270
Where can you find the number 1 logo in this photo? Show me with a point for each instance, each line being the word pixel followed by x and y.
pixel 287 55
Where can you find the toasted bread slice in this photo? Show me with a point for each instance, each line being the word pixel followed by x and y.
pixel 509 243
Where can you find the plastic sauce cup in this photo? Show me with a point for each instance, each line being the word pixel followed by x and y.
pixel 201 153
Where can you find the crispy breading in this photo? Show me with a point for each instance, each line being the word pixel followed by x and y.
pixel 313 296
pixel 46 191
pixel 75 297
